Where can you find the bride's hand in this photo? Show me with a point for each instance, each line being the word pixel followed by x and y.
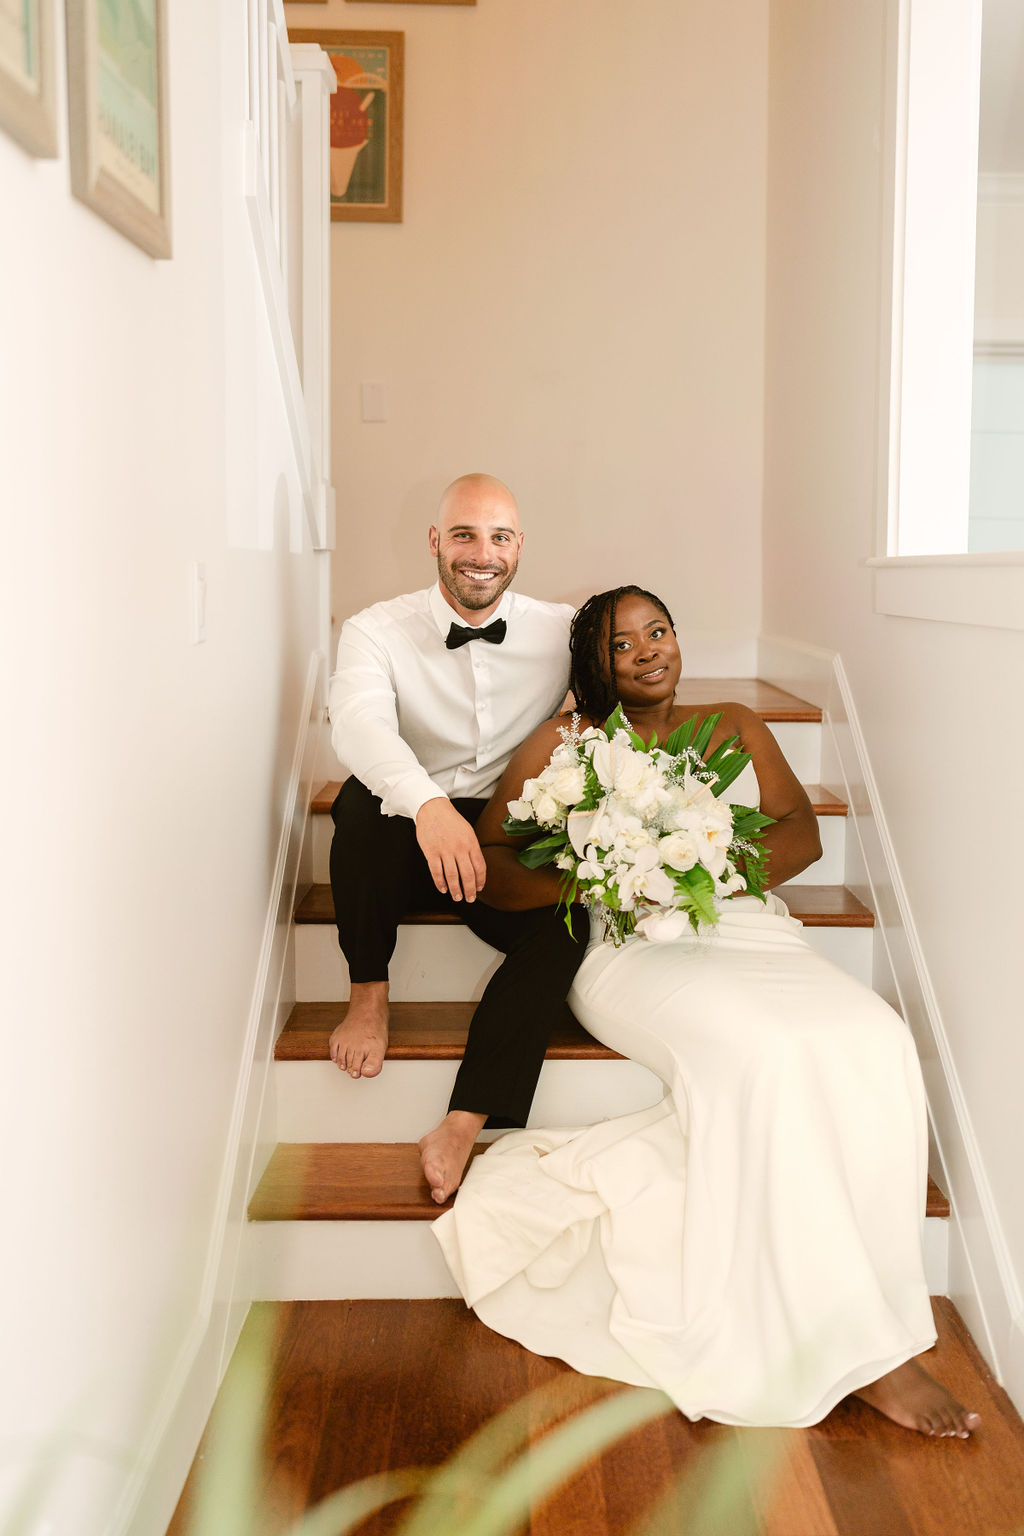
pixel 451 850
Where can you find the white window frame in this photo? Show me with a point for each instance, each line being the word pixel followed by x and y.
pixel 927 332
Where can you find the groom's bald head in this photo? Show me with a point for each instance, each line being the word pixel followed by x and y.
pixel 478 494
pixel 476 542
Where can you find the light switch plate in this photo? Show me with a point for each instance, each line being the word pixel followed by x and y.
pixel 375 401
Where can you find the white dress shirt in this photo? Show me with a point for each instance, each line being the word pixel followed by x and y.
pixel 414 720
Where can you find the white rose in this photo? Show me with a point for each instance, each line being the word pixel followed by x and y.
pixel 567 783
pixel 564 860
pixel 731 886
pixel 547 810
pixel 662 927
pixel 520 810
pixel 679 850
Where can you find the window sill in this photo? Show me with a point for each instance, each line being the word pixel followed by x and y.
pixel 984 589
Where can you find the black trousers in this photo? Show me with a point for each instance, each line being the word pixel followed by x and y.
pixel 378 874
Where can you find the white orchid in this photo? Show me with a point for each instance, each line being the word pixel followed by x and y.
pixel 590 866
pixel 645 879
pixel 661 926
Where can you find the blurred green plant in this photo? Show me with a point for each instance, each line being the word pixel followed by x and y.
pixel 492 1483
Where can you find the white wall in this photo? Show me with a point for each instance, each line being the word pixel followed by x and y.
pixel 937 700
pixel 143 778
pixel 574 302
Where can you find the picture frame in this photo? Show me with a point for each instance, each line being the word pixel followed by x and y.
pixel 117 116
pixel 366 122
pixel 28 75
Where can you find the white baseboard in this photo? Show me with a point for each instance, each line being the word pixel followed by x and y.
pixel 226 1293
pixel 982 1281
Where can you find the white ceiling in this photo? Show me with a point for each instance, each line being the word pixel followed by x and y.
pixel 1001 147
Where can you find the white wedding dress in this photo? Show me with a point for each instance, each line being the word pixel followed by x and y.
pixel 752 1244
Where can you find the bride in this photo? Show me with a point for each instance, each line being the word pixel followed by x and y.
pixel 752 1244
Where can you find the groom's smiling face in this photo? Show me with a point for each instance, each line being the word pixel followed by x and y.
pixel 476 542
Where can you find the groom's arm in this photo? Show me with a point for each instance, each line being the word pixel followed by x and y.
pixel 364 732
pixel 363 707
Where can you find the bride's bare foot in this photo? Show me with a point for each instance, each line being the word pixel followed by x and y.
pixel 909 1396
pixel 358 1044
pixel 444 1152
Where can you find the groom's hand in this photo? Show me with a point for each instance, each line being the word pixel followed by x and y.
pixel 451 850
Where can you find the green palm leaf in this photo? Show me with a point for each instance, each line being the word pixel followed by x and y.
pixel 544 851
pixel 681 737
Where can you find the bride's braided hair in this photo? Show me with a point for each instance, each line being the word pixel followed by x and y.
pixel 592 660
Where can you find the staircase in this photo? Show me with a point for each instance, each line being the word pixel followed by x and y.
pixel 341 1209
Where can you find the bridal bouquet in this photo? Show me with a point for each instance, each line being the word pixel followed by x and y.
pixel 639 830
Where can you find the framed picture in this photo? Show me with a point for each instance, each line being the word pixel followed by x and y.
pixel 117 111
pixel 28 76
pixel 366 122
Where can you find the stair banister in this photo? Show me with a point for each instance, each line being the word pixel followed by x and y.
pixel 287 192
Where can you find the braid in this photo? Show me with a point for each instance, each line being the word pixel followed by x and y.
pixel 592 662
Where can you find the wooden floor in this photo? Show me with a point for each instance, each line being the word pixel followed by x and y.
pixel 357 1387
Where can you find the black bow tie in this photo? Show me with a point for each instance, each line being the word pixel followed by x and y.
pixel 460 634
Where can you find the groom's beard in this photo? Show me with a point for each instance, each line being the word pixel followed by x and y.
pixel 470 594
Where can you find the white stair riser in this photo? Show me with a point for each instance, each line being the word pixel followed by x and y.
pixel 316 1102
pixel 430 964
pixel 323 832
pixel 450 964
pixel 830 868
pixel 342 1260
pixel 827 871
pixel 800 741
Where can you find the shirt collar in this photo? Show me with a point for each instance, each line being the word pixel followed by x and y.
pixel 445 616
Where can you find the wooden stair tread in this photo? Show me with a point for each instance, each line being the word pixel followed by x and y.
pixel 421 1032
pixel 371 1181
pixel 771 703
pixel 825 803
pixel 344 1181
pixel 817 906
pixel 321 803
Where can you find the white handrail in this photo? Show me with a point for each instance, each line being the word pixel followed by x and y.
pixel 288 193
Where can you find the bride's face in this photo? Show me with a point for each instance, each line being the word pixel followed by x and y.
pixel 646 656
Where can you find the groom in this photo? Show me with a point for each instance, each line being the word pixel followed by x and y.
pixel 432 694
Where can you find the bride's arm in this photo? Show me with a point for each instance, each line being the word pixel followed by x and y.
pixel 793 842
pixel 510 885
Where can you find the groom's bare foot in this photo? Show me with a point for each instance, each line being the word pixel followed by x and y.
pixel 444 1152
pixel 358 1044
pixel 909 1396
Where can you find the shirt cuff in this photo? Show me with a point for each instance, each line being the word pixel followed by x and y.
pixel 407 799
